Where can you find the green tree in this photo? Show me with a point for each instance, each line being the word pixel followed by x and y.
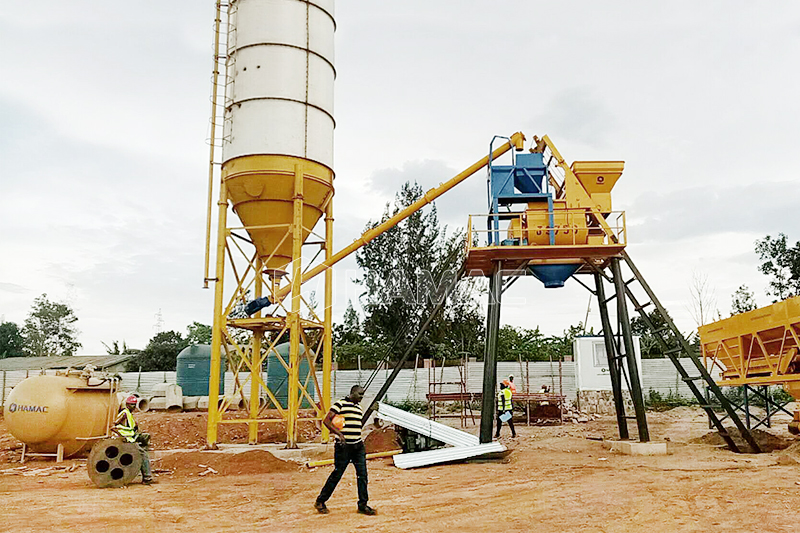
pixel 781 263
pixel 198 333
pixel 648 341
pixel 742 300
pixel 349 331
pixel 50 329
pixel 161 353
pixel 116 349
pixel 11 341
pixel 515 344
pixel 403 271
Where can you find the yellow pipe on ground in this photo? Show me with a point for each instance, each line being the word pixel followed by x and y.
pixel 377 455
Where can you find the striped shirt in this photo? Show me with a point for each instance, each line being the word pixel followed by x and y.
pixel 352 414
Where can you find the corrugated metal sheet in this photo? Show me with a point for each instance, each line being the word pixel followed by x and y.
pixel 445 455
pixel 39 363
pixel 426 427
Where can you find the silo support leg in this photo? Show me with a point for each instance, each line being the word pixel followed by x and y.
pixel 613 358
pixel 293 318
pixel 630 354
pixel 490 353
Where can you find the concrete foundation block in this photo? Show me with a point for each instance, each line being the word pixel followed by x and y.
pixel 636 448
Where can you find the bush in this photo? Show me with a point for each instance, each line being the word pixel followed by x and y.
pixel 736 395
pixel 412 406
pixel 660 402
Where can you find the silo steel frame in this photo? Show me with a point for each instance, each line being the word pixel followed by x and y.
pixel 313 334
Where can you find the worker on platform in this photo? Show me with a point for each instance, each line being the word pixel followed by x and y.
pixel 349 448
pixel 504 410
pixel 128 429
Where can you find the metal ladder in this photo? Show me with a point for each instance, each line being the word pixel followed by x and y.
pixel 673 351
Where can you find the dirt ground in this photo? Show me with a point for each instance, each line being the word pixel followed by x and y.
pixel 557 478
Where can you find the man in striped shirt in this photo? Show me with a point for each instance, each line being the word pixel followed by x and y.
pixel 348 448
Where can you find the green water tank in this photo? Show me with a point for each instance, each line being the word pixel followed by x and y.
pixel 277 377
pixel 194 369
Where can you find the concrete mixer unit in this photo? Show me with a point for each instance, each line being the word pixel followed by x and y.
pixel 64 414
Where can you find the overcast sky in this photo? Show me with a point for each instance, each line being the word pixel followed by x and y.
pixel 105 111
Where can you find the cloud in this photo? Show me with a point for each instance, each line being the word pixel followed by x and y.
pixel 13 288
pixel 577 113
pixel 453 207
pixel 760 208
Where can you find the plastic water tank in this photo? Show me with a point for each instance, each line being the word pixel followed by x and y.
pixel 277 377
pixel 194 369
pixel 45 411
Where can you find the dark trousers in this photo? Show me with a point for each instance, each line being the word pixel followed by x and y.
pixel 510 424
pixel 343 455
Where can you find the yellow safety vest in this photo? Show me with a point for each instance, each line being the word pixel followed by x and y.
pixel 504 400
pixel 127 430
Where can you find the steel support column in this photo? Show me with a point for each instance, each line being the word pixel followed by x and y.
pixel 219 320
pixel 630 353
pixel 293 318
pixel 255 358
pixel 613 360
pixel 490 353
pixel 327 347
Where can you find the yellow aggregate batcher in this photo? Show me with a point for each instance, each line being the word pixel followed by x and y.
pixel 758 347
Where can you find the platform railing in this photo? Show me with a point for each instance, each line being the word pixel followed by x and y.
pixel 578 228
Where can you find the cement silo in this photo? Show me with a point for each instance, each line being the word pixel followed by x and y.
pixel 274 64
pixel 279 118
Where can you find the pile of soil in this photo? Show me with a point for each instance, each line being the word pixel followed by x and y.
pixel 382 440
pixel 183 464
pixel 766 441
pixel 188 430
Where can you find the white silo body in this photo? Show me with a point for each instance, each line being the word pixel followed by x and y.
pixel 278 114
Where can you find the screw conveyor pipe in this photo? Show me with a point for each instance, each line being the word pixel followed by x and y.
pixel 516 141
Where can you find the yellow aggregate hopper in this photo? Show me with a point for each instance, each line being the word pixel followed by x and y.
pixel 757 348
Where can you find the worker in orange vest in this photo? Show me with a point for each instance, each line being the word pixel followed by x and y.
pixel 511 385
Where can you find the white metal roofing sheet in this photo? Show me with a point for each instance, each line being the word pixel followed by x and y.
pixel 444 455
pixel 426 427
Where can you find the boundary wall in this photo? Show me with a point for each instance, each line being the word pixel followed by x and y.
pixel 657 374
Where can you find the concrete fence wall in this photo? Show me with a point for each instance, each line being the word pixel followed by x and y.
pixel 657 374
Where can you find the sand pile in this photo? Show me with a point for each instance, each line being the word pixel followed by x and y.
pixel 184 464
pixel 382 440
pixel 767 441
pixel 188 430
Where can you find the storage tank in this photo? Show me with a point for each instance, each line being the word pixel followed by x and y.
pixel 45 411
pixel 194 368
pixel 277 377
pixel 279 117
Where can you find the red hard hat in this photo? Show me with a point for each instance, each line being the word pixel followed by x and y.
pixel 131 400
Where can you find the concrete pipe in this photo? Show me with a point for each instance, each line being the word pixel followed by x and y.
pixel 143 405
pixel 174 398
pixel 114 463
